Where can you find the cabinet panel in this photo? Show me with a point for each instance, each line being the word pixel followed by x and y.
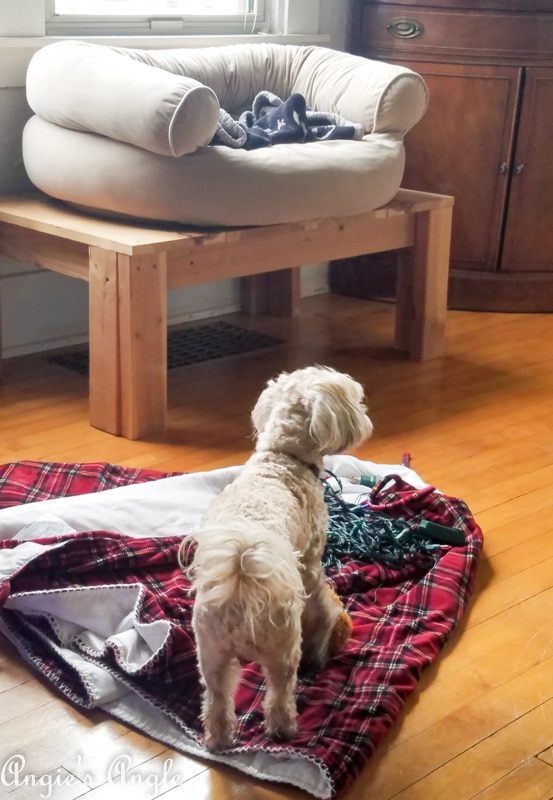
pixel 459 148
pixel 528 244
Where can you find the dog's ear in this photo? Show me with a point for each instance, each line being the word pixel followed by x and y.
pixel 339 420
pixel 262 409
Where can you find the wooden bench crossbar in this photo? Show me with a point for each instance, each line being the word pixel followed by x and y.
pixel 129 268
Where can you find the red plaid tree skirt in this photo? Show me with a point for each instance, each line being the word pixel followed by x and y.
pixel 402 618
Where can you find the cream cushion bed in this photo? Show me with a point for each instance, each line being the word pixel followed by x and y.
pixel 128 131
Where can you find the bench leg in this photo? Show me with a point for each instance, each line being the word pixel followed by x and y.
pixel 143 344
pixel 128 343
pixel 275 293
pixel 104 371
pixel 421 306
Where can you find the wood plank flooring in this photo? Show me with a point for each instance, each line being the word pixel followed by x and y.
pixel 478 423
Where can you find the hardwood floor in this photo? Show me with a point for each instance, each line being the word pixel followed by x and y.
pixel 478 423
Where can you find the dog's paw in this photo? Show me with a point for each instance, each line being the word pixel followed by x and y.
pixel 216 742
pixel 219 722
pixel 283 733
pixel 281 721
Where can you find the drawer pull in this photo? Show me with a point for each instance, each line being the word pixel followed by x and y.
pixel 405 28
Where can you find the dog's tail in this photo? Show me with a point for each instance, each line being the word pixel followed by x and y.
pixel 246 568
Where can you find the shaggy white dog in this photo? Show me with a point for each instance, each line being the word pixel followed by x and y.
pixel 261 593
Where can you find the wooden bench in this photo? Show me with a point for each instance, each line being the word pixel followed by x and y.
pixel 130 267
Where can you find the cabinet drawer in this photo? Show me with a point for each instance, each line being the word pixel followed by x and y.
pixel 415 33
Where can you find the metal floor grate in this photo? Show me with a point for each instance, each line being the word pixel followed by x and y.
pixel 189 346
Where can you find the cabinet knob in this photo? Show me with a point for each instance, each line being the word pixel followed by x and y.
pixel 405 28
pixel 519 168
pixel 503 168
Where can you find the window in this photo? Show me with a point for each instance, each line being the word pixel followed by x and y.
pixel 156 16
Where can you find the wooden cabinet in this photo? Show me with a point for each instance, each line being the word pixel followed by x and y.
pixel 487 137
pixel 528 239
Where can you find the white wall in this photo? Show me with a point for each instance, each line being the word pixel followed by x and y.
pixel 41 310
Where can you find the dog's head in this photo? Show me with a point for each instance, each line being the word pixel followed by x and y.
pixel 312 412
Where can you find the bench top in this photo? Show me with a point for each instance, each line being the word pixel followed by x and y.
pixel 37 212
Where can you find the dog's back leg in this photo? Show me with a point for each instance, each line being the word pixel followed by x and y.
pixel 320 615
pixel 281 670
pixel 220 675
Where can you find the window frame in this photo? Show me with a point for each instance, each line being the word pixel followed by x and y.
pixel 249 23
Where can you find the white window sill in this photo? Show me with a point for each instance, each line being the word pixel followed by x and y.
pixel 16 52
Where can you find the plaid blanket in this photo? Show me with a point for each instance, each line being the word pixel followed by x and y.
pixel 106 619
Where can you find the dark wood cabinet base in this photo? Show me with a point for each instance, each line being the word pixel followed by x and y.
pixel 495 291
pixel 374 277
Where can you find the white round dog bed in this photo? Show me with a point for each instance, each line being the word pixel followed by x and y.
pixel 128 132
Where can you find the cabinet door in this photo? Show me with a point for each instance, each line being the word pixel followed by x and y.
pixel 461 147
pixel 528 242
